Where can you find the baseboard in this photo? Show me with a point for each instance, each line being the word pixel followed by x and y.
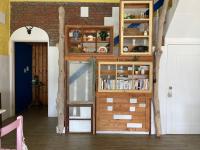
pixel 121 132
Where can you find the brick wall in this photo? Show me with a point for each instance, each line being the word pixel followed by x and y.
pixel 45 15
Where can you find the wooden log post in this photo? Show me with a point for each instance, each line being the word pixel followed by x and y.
pixel 61 84
pixel 157 56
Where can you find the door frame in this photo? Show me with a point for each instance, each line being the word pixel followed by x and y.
pixel 37 35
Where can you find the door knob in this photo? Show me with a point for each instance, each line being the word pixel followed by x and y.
pixel 170 91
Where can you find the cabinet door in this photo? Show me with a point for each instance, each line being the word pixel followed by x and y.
pixel 107 77
pixel 81 86
pixel 81 82
pixel 125 77
pixel 80 118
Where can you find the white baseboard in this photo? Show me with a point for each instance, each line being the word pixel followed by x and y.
pixel 121 132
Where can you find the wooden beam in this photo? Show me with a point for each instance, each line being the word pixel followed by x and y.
pixel 61 79
pixel 157 55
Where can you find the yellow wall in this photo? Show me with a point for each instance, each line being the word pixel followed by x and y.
pixel 100 1
pixel 4 28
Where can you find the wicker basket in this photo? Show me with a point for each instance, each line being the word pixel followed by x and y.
pixel 132 31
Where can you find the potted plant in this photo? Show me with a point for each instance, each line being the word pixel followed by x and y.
pixel 137 69
pixel 103 35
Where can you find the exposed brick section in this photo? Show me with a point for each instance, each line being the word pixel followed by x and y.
pixel 45 15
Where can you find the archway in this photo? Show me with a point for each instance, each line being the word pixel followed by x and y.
pixel 37 35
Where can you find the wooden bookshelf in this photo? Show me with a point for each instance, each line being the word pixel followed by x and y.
pixel 122 94
pixel 125 77
pixel 136 27
pixel 87 40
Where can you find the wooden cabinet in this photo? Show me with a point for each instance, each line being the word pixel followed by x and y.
pixel 122 112
pixel 80 114
pixel 80 105
pixel 124 96
pixel 89 40
pixel 121 101
pixel 125 77
pixel 136 27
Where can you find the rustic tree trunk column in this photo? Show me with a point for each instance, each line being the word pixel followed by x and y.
pixel 158 54
pixel 61 84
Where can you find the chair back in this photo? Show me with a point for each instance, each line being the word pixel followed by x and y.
pixel 17 124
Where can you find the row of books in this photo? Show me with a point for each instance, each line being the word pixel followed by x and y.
pixel 129 84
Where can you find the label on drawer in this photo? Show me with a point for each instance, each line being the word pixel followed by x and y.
pixel 132 109
pixel 133 100
pixel 109 108
pixel 124 117
pixel 134 125
pixel 109 100
pixel 142 105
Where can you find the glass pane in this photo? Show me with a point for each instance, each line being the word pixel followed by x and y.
pixel 135 45
pixel 136 29
pixel 89 47
pixel 141 77
pixel 108 77
pixel 80 81
pixel 74 38
pixel 103 47
pixel 103 41
pixel 136 11
pixel 80 112
pixel 124 77
pixel 80 126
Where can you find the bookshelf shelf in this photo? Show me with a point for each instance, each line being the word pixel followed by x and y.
pixel 125 77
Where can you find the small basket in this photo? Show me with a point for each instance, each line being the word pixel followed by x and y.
pixel 132 31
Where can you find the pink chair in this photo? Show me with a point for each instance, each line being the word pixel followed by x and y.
pixel 17 124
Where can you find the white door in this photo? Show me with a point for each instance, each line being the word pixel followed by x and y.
pixel 183 102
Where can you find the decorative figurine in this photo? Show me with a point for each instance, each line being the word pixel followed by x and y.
pixel 125 49
pixel 76 34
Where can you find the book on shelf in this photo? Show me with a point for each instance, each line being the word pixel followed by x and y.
pixel 107 84
pixel 136 84
pixel 141 84
pixel 124 84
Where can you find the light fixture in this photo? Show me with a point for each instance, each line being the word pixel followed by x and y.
pixel 29 29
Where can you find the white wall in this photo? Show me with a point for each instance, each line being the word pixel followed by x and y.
pixel 37 35
pixel 183 29
pixel 52 80
pixel 5 84
pixel 185 22
pixel 170 14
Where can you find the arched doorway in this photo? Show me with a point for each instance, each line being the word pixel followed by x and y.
pixel 21 45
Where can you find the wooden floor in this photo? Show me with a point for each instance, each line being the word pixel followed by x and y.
pixel 39 131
